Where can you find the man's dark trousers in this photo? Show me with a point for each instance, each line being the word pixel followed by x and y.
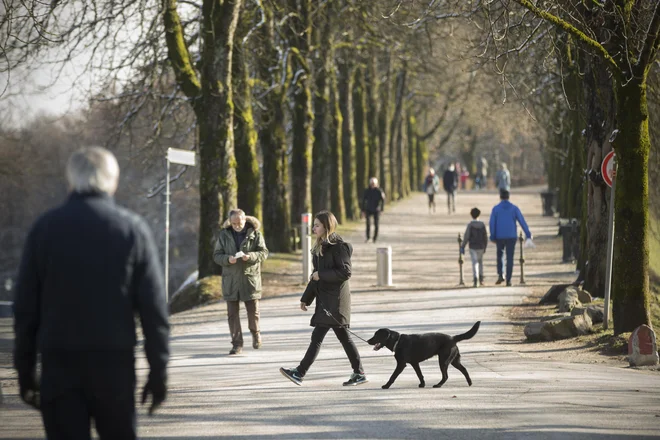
pixel 375 216
pixel 510 245
pixel 78 387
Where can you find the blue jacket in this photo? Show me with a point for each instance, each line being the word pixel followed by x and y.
pixel 503 221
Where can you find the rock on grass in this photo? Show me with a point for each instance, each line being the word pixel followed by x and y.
pixel 201 292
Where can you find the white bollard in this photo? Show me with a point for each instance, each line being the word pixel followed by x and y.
pixel 306 242
pixel 384 266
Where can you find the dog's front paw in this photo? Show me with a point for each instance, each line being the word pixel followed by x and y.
pixel 422 385
pixel 386 386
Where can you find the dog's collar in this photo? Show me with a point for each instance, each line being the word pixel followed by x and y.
pixel 396 343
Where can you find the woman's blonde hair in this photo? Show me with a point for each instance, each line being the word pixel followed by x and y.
pixel 329 222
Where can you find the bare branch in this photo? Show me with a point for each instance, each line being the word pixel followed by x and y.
pixel 564 25
pixel 651 43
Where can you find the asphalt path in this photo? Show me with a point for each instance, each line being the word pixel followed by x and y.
pixel 213 395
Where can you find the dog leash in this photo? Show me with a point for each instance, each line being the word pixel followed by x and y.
pixel 327 312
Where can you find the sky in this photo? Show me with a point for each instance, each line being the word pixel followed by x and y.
pixel 33 93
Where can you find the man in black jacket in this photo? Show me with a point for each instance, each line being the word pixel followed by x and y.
pixel 450 183
pixel 88 266
pixel 373 201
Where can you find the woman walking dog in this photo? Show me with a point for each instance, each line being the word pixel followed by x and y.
pixel 331 257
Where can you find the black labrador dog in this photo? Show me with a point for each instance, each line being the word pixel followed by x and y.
pixel 413 349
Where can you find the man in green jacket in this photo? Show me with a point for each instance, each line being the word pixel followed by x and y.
pixel 240 249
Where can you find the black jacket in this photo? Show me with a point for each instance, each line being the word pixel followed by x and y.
pixel 87 267
pixel 450 180
pixel 373 200
pixel 332 291
pixel 476 235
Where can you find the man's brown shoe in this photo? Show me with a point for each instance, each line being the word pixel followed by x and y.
pixel 256 341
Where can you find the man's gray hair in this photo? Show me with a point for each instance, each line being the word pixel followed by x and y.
pixel 238 212
pixel 93 169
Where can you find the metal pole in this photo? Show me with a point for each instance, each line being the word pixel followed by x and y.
pixel 460 260
pixel 306 242
pixel 522 259
pixel 610 252
pixel 167 231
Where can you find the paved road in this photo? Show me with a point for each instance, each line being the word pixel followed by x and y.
pixel 213 395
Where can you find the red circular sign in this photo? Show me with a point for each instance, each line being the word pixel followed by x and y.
pixel 607 168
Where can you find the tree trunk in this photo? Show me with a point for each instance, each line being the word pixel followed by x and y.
pixel 412 153
pixel 600 111
pixel 349 165
pixel 384 118
pixel 404 164
pixel 322 122
pixel 215 114
pixel 373 112
pixel 396 139
pixel 360 127
pixel 422 160
pixel 422 152
pixel 336 173
pixel 276 220
pixel 273 142
pixel 303 114
pixel 247 165
pixel 630 283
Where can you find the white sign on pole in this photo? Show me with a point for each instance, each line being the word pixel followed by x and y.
pixel 183 157
pixel 607 168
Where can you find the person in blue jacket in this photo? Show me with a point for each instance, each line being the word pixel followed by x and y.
pixel 503 220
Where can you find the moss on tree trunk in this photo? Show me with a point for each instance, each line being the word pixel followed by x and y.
pixel 412 153
pixel 273 142
pixel 360 128
pixel 384 118
pixel 336 172
pixel 302 114
pixel 349 165
pixel 373 114
pixel 630 283
pixel 215 114
pixel 245 135
pixel 322 121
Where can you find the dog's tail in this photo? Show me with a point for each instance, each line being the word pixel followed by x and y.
pixel 469 334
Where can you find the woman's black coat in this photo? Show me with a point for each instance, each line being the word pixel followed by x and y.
pixel 332 291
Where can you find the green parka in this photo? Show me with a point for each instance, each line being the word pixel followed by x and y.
pixel 241 280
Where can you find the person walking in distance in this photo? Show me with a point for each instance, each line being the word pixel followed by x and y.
pixel 87 268
pixel 373 202
pixel 481 180
pixel 240 250
pixel 503 178
pixel 503 219
pixel 476 237
pixel 431 187
pixel 329 286
pixel 450 184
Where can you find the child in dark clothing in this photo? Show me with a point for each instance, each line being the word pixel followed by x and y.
pixel 476 236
